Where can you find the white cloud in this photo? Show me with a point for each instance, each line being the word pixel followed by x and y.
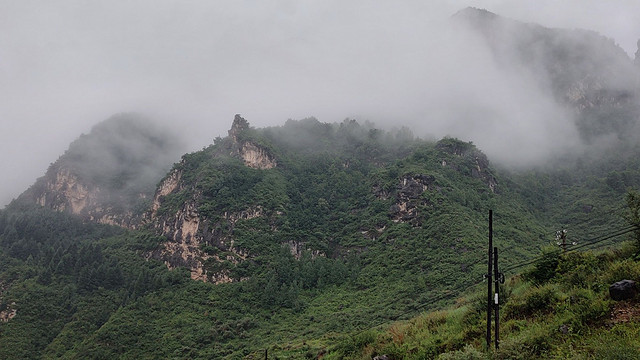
pixel 65 65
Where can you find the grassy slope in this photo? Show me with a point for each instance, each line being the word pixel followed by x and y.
pixel 569 315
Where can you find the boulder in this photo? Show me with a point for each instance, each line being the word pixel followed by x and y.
pixel 623 290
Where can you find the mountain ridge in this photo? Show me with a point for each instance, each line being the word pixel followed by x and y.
pixel 298 234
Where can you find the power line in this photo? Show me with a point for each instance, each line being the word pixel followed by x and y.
pixel 451 293
pixel 514 246
pixel 454 292
pixel 603 212
pixel 592 241
pixel 633 228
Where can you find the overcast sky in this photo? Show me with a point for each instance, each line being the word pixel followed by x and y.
pixel 66 65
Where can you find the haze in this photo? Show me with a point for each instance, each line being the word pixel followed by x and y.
pixel 66 65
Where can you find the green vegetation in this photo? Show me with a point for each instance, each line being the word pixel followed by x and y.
pixel 356 228
pixel 569 315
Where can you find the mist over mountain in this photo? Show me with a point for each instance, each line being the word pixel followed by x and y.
pixel 540 93
pixel 301 237
pixel 584 71
pixel 109 172
pixel 67 66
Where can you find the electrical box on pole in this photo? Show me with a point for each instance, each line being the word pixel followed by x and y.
pixel 489 282
pixel 496 304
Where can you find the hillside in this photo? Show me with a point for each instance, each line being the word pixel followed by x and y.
pixel 309 239
pixel 108 175
pixel 585 71
pixel 559 308
pixel 360 227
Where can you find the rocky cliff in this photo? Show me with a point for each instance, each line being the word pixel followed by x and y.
pixel 201 242
pixel 410 193
pixel 253 154
pixel 109 175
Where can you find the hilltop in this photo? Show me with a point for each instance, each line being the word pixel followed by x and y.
pixel 303 238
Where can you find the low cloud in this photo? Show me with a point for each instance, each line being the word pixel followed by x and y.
pixel 66 65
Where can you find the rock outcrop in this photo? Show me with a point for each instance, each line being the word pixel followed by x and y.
pixel 61 189
pixel 480 168
pixel 189 234
pixel 256 157
pixel 195 241
pixel 409 198
pixel 8 313
pixel 109 175
pixel 253 155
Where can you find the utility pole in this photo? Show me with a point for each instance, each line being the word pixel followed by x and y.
pixel 498 278
pixel 489 282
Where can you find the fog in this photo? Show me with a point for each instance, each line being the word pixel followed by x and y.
pixel 65 65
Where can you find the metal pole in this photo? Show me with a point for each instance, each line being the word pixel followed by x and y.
pixel 496 299
pixel 489 282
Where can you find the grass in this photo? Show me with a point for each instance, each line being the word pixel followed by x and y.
pixel 557 319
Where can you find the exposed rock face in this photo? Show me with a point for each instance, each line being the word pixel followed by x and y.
pixel 256 157
pixel 297 248
pixel 9 313
pixel 194 241
pixel 188 233
pixel 181 229
pixel 252 154
pixel 409 198
pixel 480 170
pixel 62 190
pixel 166 187
pixel 108 175
pixel 183 249
pixel 237 127
pixel 411 205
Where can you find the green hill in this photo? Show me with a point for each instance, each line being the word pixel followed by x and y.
pixel 361 228
pixel 332 240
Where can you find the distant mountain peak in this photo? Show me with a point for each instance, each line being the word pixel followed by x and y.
pixel 476 12
pixel 105 174
pixel 585 71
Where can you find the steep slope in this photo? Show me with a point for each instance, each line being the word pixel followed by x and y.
pixel 109 175
pixel 585 70
pixel 568 313
pixel 299 232
pixel 215 204
pixel 349 226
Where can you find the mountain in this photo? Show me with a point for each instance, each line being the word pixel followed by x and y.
pixel 586 71
pixel 279 222
pixel 292 238
pixel 296 231
pixel 110 174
